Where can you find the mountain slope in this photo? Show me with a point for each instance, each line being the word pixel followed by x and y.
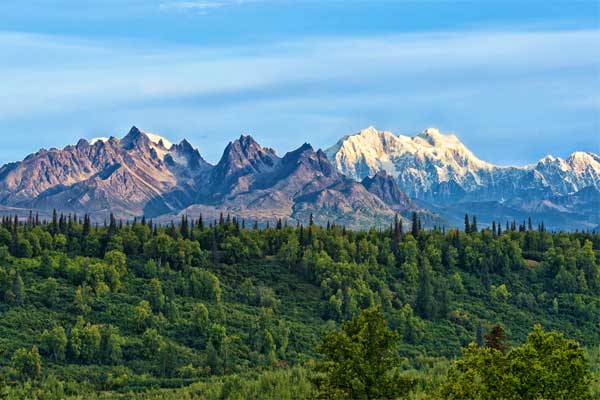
pixel 242 162
pixel 386 188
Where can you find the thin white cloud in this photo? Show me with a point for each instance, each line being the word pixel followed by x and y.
pixel 48 73
pixel 201 6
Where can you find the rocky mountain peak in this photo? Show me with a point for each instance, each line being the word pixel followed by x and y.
pixel 582 160
pixel 242 161
pixel 245 153
pixel 386 188
pixel 436 138
pixel 185 145
pixel 82 143
pixel 303 154
pixel 135 138
pixel 306 147
pixel 186 156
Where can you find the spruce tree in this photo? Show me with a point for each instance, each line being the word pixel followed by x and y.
pixel 415 224
pixel 425 303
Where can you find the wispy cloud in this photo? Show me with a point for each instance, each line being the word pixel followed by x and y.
pixel 76 72
pixel 201 6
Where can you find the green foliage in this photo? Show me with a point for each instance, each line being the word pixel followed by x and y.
pixel 142 317
pixel 499 293
pixel 132 310
pixel 547 366
pixel 85 341
pixel 54 343
pixel 359 360
pixel 201 321
pixel 26 364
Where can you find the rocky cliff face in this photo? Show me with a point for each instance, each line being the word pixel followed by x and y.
pixel 128 176
pixel 386 188
pixel 145 174
pixel 254 183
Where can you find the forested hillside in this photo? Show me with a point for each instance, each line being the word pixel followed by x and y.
pixel 228 309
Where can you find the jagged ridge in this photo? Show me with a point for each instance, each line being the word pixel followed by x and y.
pixel 145 174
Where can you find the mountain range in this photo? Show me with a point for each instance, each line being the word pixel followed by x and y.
pixel 145 174
pixel 443 175
pixel 365 179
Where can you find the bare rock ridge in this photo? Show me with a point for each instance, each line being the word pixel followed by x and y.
pixel 145 174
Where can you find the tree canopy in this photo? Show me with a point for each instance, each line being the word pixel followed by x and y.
pixel 360 360
pixel 547 366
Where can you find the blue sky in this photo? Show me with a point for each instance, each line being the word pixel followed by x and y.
pixel 515 80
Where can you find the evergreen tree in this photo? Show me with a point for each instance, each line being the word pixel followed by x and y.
pixel 415 224
pixel 18 289
pixel 479 338
pixel 184 229
pixel 87 225
pixel 425 302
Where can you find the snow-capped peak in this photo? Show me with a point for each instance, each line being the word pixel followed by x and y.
pixel 432 162
pixel 581 160
pixel 98 139
pixel 369 151
pixel 549 159
pixel 435 138
pixel 369 131
pixel 156 139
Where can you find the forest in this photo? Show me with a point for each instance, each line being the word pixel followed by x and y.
pixel 228 309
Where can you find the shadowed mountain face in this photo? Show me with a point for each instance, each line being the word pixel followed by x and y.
pixel 243 161
pixel 144 174
pixel 386 188
pixel 253 183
